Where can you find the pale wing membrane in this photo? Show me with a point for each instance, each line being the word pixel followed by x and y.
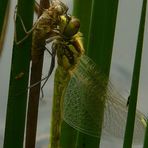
pixel 115 118
pixel 85 98
pixel 82 88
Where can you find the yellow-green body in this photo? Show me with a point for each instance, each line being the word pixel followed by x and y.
pixel 67 56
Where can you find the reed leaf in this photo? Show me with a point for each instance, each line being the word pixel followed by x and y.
pixel 145 145
pixel 82 10
pixel 135 82
pixel 17 98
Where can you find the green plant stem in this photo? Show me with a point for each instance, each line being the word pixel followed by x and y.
pixel 145 145
pixel 16 107
pixel 101 33
pixel 100 44
pixel 82 10
pixel 135 82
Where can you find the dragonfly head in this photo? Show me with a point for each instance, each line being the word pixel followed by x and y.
pixel 69 25
pixel 72 27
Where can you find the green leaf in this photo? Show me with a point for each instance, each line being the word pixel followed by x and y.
pixel 17 99
pixel 146 137
pixel 135 82
pixel 82 10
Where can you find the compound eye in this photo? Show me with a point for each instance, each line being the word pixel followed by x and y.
pixel 72 28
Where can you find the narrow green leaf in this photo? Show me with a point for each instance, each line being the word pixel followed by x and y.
pixel 135 82
pixel 16 107
pixel 101 33
pixel 82 10
pixel 68 136
pixel 146 137
pixel 100 42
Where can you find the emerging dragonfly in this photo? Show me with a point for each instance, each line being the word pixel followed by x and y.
pixel 69 49
pixel 80 91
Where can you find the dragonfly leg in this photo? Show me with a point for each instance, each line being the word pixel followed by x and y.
pixel 48 51
pixel 53 54
pixel 52 65
pixel 38 8
pixel 28 32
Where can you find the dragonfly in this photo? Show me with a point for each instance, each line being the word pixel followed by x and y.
pixel 83 96
pixel 80 90
pixel 68 49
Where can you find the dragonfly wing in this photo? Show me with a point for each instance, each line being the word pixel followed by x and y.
pixel 79 111
pixel 87 100
pixel 115 116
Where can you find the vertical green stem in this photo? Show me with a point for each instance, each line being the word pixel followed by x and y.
pixel 16 107
pixel 135 82
pixel 101 33
pixel 82 10
pixel 100 44
pixel 145 145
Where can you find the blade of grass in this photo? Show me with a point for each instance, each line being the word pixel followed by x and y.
pixel 135 82
pixel 82 10
pixel 145 145
pixel 100 44
pixel 16 107
pixel 101 33
pixel 34 94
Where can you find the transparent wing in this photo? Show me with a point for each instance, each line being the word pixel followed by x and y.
pixel 115 118
pixel 87 97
